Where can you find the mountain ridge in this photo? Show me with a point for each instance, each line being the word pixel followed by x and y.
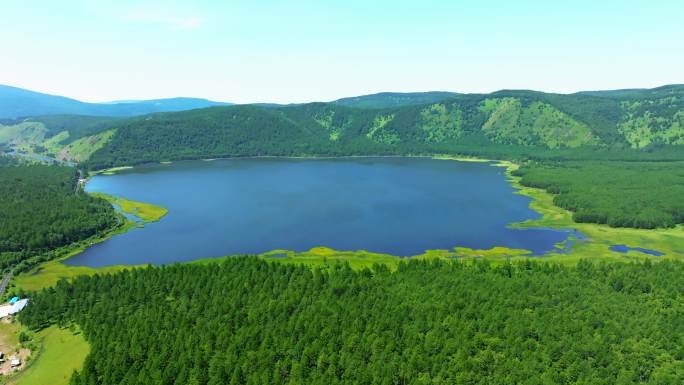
pixel 394 99
pixel 520 122
pixel 18 102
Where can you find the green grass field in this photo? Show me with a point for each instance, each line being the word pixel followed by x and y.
pixel 81 149
pixel 360 259
pixel 30 136
pixel 49 273
pixel 9 336
pixel 145 211
pixel 62 352
pixel 111 171
pixel 24 133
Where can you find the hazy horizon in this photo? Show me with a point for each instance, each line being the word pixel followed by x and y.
pixel 266 101
pixel 303 51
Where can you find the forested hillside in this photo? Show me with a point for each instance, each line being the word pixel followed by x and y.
pixel 41 209
pixel 504 123
pixel 78 126
pixel 65 137
pixel 394 99
pixel 247 321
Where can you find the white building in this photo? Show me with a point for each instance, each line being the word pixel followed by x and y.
pixel 13 308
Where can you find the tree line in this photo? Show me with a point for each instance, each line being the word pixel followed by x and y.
pixel 248 321
pixel 42 208
pixel 619 194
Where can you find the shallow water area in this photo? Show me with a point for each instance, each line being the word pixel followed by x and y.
pixel 625 249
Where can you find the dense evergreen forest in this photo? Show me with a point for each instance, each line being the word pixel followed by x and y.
pixel 7 160
pixel 247 321
pixel 620 194
pixel 42 208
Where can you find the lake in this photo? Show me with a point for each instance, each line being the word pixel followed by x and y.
pixel 400 206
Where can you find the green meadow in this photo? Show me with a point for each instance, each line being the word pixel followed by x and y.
pixel 147 212
pixel 61 352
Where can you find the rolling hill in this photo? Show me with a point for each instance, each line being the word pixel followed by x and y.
pixel 504 123
pixel 394 99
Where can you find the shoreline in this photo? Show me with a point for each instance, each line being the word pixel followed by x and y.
pixel 599 238
pixel 594 240
pixel 453 252
pixel 460 158
pixel 47 273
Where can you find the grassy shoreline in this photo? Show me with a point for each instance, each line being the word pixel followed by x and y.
pixel 596 246
pixel 146 212
pixel 668 241
pixel 48 273
pixel 460 158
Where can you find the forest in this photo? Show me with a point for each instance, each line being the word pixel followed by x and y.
pixel 42 209
pixel 248 321
pixel 619 194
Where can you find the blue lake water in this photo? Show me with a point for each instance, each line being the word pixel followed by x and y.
pixel 625 248
pixel 401 206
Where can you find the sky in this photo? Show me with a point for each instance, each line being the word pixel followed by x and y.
pixel 299 51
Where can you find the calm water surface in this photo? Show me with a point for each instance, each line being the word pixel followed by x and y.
pixel 401 206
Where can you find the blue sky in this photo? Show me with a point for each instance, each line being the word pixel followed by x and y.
pixel 295 51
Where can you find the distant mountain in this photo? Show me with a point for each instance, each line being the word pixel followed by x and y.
pixel 172 104
pixel 395 99
pixel 17 102
pixel 638 93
